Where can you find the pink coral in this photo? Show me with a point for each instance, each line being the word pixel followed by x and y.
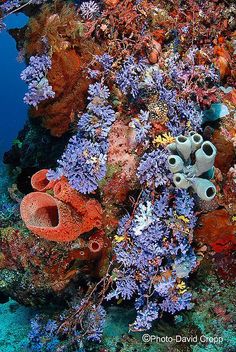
pixel 121 150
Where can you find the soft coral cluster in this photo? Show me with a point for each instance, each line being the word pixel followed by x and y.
pixel 44 334
pixel 35 76
pixel 68 81
pixel 155 257
pixel 84 161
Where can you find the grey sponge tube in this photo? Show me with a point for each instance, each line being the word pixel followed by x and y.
pixel 205 189
pixel 180 181
pixel 205 157
pixel 184 146
pixel 175 163
pixel 196 141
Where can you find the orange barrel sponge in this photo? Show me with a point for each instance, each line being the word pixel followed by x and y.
pixel 39 181
pixel 64 192
pixel 50 218
pixel 90 209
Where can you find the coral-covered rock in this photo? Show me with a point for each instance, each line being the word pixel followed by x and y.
pixel 206 206
pixel 35 148
pixel 225 263
pixel 216 230
pixel 33 271
pixel 116 189
pixel 225 152
pixel 229 192
pixel 61 28
pixel 121 176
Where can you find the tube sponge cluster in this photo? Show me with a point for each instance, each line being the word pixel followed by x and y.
pixel 192 164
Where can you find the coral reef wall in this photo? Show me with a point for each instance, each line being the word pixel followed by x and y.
pixel 121 191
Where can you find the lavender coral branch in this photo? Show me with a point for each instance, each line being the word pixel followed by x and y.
pixel 154 255
pixel 128 78
pixel 89 9
pixel 152 170
pixel 35 76
pixel 84 160
pixel 83 163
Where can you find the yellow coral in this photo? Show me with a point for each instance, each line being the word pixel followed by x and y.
pixel 189 124
pixel 119 238
pixel 163 139
pixel 181 287
pixel 183 218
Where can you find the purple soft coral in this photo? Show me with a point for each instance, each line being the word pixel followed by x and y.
pixel 35 76
pixel 128 78
pixel 152 260
pixel 152 170
pixel 98 119
pixel 83 163
pixel 142 126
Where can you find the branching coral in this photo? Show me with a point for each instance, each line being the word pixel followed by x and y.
pixel 128 78
pixel 10 5
pixel 44 334
pixel 84 161
pixel 142 126
pixel 137 75
pixel 89 9
pixel 155 257
pixel 100 116
pixel 35 76
pixel 152 170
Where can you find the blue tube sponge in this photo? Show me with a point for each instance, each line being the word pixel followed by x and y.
pixel 204 188
pixel 175 163
pixel 205 158
pixel 192 164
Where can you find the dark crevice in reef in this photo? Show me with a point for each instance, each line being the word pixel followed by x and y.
pixel 32 150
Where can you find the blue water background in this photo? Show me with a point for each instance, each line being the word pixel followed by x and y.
pixel 14 318
pixel 13 111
